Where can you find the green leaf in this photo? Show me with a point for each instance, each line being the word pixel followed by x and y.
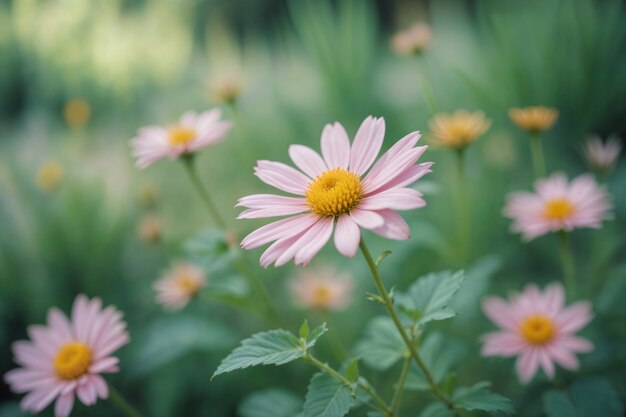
pixel 428 298
pixel 352 371
pixel 440 355
pixel 274 347
pixel 327 397
pixel 304 330
pixel 153 347
pixel 479 397
pixel 596 397
pixel 273 402
pixel 210 249
pixel 475 285
pixel 382 345
pixel 316 334
pixel 557 404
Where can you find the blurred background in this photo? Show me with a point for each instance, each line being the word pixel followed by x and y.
pixel 79 77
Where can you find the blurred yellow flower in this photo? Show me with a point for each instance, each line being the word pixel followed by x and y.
pixel 150 228
pixel 412 41
pixel 50 176
pixel 459 129
pixel 226 88
pixel 322 289
pixel 534 119
pixel 179 285
pixel 77 112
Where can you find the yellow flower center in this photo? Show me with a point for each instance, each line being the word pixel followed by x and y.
pixel 322 296
pixel 537 329
pixel 334 192
pixel 73 360
pixel 188 284
pixel 179 135
pixel 558 209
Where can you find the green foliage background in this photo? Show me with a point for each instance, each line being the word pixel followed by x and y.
pixel 302 64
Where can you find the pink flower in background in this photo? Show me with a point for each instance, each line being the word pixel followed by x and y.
pixel 179 286
pixel 322 289
pixel 65 358
pixel 337 190
pixel 558 205
pixel 192 133
pixel 602 156
pixel 538 329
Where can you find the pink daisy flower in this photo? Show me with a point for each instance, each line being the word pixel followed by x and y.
pixel 322 289
pixel 65 358
pixel 602 156
pixel 192 133
pixel 558 205
pixel 179 285
pixel 337 190
pixel 538 329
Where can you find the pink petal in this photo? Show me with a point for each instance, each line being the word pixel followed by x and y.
pixel 574 317
pixel 502 344
pixel 394 227
pixel 28 355
pixel 64 404
pixel 574 344
pixel 367 144
pixel 393 169
pixel 306 253
pixel 390 157
pixel 563 357
pixel 102 365
pixel 39 399
pixel 527 365
pixel 407 177
pixel 59 323
pixel 111 346
pixel 277 248
pixel 395 199
pixel 87 393
pixel 500 312
pixel 335 146
pixel 282 176
pixel 546 362
pixel 318 229
pixel 347 236
pixel 102 389
pixel 309 161
pixel 272 212
pixel 262 201
pixel 278 230
pixel 553 299
pixel 367 219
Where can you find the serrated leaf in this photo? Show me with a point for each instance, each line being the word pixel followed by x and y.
pixel 153 347
pixel 436 410
pixel 440 355
pixel 352 371
pixel 274 347
pixel 316 334
pixel 327 397
pixel 428 297
pixel 273 402
pixel 479 397
pixel 382 345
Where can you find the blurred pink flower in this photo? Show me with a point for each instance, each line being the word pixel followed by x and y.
pixel 602 156
pixel 335 189
pixel 66 357
pixel 538 329
pixel 192 133
pixel 558 205
pixel 322 289
pixel 179 285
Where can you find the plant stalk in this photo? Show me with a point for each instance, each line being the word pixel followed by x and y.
pixel 120 402
pixel 536 149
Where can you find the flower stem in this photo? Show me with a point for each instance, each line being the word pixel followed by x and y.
pixel 188 161
pixel 120 402
pixel 260 290
pixel 427 90
pixel 381 405
pixel 567 263
pixel 397 396
pixel 463 208
pixel 536 149
pixel 388 303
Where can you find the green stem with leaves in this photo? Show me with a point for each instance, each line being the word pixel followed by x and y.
pixel 120 402
pixel 567 263
pixel 387 301
pixel 379 403
pixel 536 149
pixel 253 279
